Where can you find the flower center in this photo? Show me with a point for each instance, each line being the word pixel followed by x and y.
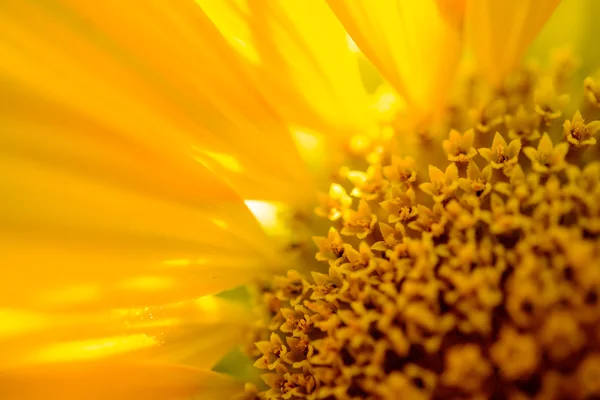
pixel 450 275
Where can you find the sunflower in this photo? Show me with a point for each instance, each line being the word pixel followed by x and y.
pixel 372 199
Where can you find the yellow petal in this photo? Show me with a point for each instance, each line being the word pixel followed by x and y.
pixel 554 34
pixel 414 44
pixel 201 333
pixel 105 119
pixel 309 74
pixel 161 73
pixel 116 380
pixel 196 333
pixel 499 32
pixel 71 234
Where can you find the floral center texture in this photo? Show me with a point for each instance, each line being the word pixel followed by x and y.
pixel 468 269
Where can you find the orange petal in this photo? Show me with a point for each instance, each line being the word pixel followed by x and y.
pixel 161 73
pixel 309 74
pixel 101 380
pixel 109 125
pixel 196 333
pixel 499 32
pixel 414 44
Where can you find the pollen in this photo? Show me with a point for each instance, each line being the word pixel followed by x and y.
pixel 466 270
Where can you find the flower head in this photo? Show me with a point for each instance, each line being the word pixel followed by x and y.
pixel 473 284
pixel 160 164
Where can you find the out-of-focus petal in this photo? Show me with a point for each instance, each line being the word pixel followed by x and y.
pixel 196 333
pixel 112 115
pixel 302 59
pixel 416 45
pixel 72 234
pixel 554 34
pixel 160 74
pixel 499 32
pixel 580 44
pixel 113 379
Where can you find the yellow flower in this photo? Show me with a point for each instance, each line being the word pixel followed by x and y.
pixel 579 134
pixel 459 148
pixel 442 184
pixel 547 157
pixel 501 155
pixel 137 138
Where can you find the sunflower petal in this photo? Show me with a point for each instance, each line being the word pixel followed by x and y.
pixel 72 235
pixel 161 73
pixel 415 45
pixel 201 333
pixel 108 201
pixel 499 32
pixel 196 333
pixel 113 379
pixel 310 74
